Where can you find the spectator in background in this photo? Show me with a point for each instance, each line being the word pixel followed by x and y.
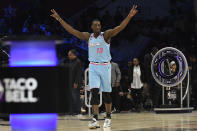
pixel 116 90
pixel 3 26
pixel 126 100
pixel 76 79
pixel 192 61
pixel 137 79
pixel 153 87
pixel 129 64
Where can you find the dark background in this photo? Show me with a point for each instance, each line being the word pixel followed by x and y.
pixel 163 23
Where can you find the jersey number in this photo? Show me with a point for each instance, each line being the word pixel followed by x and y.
pixel 99 50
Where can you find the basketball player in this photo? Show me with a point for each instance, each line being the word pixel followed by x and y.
pixel 99 57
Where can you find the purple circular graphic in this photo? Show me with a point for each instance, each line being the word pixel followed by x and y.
pixel 161 64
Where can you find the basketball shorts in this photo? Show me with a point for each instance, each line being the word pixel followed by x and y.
pixel 100 76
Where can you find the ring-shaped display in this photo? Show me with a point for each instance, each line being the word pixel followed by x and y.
pixel 169 67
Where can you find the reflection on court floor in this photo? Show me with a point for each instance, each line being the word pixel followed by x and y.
pixel 145 121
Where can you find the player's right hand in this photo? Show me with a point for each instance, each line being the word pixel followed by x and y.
pixel 55 15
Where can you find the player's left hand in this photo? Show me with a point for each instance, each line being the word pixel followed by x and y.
pixel 133 11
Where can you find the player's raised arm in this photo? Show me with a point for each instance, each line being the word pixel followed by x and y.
pixel 113 32
pixel 70 29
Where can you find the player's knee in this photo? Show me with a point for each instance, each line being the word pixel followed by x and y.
pixel 107 97
pixel 95 97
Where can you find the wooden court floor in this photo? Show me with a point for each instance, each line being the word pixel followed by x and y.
pixel 144 121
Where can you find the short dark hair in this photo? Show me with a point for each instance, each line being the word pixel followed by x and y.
pixel 96 19
pixel 73 51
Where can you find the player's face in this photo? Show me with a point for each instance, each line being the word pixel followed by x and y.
pixel 96 26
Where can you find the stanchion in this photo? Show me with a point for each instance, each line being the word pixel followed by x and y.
pixel 88 93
